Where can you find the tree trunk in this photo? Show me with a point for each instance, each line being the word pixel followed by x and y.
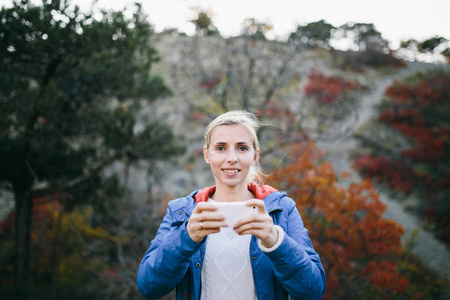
pixel 23 201
pixel 23 192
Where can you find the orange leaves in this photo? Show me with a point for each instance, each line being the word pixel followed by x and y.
pixel 346 224
pixel 384 276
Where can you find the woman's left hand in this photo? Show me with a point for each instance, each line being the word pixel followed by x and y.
pixel 259 224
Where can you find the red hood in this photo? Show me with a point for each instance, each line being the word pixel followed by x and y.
pixel 260 192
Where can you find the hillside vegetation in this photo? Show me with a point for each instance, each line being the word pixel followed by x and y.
pixel 102 123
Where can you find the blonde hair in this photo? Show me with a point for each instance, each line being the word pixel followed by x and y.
pixel 249 121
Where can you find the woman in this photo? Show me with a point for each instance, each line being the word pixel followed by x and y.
pixel 267 255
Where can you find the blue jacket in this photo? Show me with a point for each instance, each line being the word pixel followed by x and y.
pixel 175 260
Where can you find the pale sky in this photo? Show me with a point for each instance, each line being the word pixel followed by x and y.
pixel 396 19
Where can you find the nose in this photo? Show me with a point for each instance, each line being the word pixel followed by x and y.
pixel 232 157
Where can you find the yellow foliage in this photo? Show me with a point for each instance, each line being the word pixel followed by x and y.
pixel 77 223
pixel 65 245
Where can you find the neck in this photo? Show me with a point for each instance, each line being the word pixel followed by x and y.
pixel 232 194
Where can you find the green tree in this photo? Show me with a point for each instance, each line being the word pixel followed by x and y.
pixel 368 45
pixel 409 43
pixel 366 37
pixel 313 34
pixel 204 25
pixel 71 87
pixel 435 46
pixel 430 44
pixel 446 54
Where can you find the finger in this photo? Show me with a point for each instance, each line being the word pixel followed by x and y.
pixel 261 216
pixel 208 216
pixel 267 238
pixel 204 206
pixel 198 230
pixel 251 218
pixel 249 224
pixel 267 234
pixel 207 225
pixel 205 211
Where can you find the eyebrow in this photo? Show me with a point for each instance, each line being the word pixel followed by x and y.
pixel 238 143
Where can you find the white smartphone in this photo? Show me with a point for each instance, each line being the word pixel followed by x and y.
pixel 234 211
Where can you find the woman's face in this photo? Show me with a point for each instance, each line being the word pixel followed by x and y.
pixel 231 155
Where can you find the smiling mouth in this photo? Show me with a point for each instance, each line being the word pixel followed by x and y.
pixel 231 172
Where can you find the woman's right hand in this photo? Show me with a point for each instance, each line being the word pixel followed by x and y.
pixel 204 220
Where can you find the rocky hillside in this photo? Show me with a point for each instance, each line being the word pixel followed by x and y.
pixel 209 75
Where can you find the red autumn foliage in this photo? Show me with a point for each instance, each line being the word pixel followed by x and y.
pixel 40 212
pixel 209 84
pixel 346 226
pixel 425 92
pixel 41 216
pixel 327 89
pixel 428 143
pixel 397 174
pixel 274 110
pixel 418 110
pixel 426 149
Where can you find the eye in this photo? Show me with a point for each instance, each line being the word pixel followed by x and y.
pixel 243 148
pixel 220 148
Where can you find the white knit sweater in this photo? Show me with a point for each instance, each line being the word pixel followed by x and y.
pixel 226 271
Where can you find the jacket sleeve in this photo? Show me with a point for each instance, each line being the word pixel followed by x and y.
pixel 295 262
pixel 167 259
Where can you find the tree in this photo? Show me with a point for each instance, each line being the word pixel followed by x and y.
pixel 241 74
pixel 429 49
pixel 430 44
pixel 369 48
pixel 446 54
pixel 204 25
pixel 254 29
pixel 313 34
pixel 366 37
pixel 409 43
pixel 71 87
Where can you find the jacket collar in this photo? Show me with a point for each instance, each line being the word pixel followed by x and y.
pixel 260 192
